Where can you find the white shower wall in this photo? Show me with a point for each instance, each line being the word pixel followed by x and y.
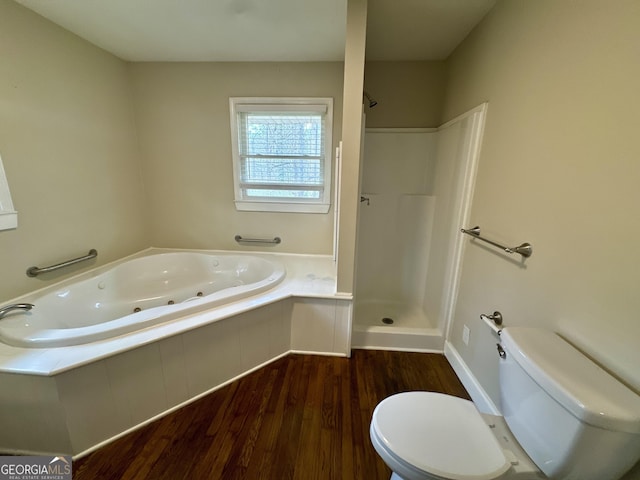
pixel 395 226
pixel 419 185
pixel 392 247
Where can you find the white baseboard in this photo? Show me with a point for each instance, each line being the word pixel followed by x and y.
pixel 321 353
pixel 479 396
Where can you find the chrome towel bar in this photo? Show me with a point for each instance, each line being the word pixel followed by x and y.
pixel 274 240
pixel 524 249
pixel 35 271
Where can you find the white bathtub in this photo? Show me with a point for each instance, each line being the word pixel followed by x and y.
pixel 136 294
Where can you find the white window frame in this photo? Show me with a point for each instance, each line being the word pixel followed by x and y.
pixel 282 104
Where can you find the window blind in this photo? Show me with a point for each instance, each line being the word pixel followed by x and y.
pixel 282 154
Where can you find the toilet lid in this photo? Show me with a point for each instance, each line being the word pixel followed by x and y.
pixel 440 435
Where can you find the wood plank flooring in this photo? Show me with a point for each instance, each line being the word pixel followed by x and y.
pixel 301 417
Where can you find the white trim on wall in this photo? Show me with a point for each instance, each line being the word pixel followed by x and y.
pixel 463 215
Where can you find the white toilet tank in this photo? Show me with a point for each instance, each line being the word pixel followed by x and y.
pixel 573 419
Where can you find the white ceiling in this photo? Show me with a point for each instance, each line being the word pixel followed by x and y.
pixel 260 30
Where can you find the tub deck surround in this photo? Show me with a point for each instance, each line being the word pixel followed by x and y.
pixel 72 400
pixel 308 276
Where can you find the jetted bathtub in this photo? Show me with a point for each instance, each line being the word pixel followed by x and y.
pixel 136 294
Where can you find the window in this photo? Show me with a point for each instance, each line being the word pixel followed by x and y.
pixel 282 153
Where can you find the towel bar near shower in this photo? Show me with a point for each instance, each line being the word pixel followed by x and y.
pixel 35 271
pixel 524 249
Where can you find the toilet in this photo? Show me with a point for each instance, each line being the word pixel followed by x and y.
pixel 564 417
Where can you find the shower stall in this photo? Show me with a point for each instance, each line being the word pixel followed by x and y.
pixel 416 189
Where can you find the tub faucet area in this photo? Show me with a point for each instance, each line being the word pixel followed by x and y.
pixel 15 306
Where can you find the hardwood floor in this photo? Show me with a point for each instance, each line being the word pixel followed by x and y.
pixel 301 417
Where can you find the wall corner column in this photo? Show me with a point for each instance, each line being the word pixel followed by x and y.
pixel 354 60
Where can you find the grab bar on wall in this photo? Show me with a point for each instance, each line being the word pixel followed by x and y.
pixel 524 249
pixel 35 271
pixel 274 240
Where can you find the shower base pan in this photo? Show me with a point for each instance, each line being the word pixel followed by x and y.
pixel 394 326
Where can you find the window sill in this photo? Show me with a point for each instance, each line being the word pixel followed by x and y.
pixel 245 206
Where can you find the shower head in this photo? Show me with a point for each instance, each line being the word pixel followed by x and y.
pixel 372 102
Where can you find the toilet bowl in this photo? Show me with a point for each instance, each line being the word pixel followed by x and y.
pixel 565 418
pixel 428 435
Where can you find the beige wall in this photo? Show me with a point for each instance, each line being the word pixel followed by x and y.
pixel 409 94
pixel 69 149
pixel 182 112
pixel 559 168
